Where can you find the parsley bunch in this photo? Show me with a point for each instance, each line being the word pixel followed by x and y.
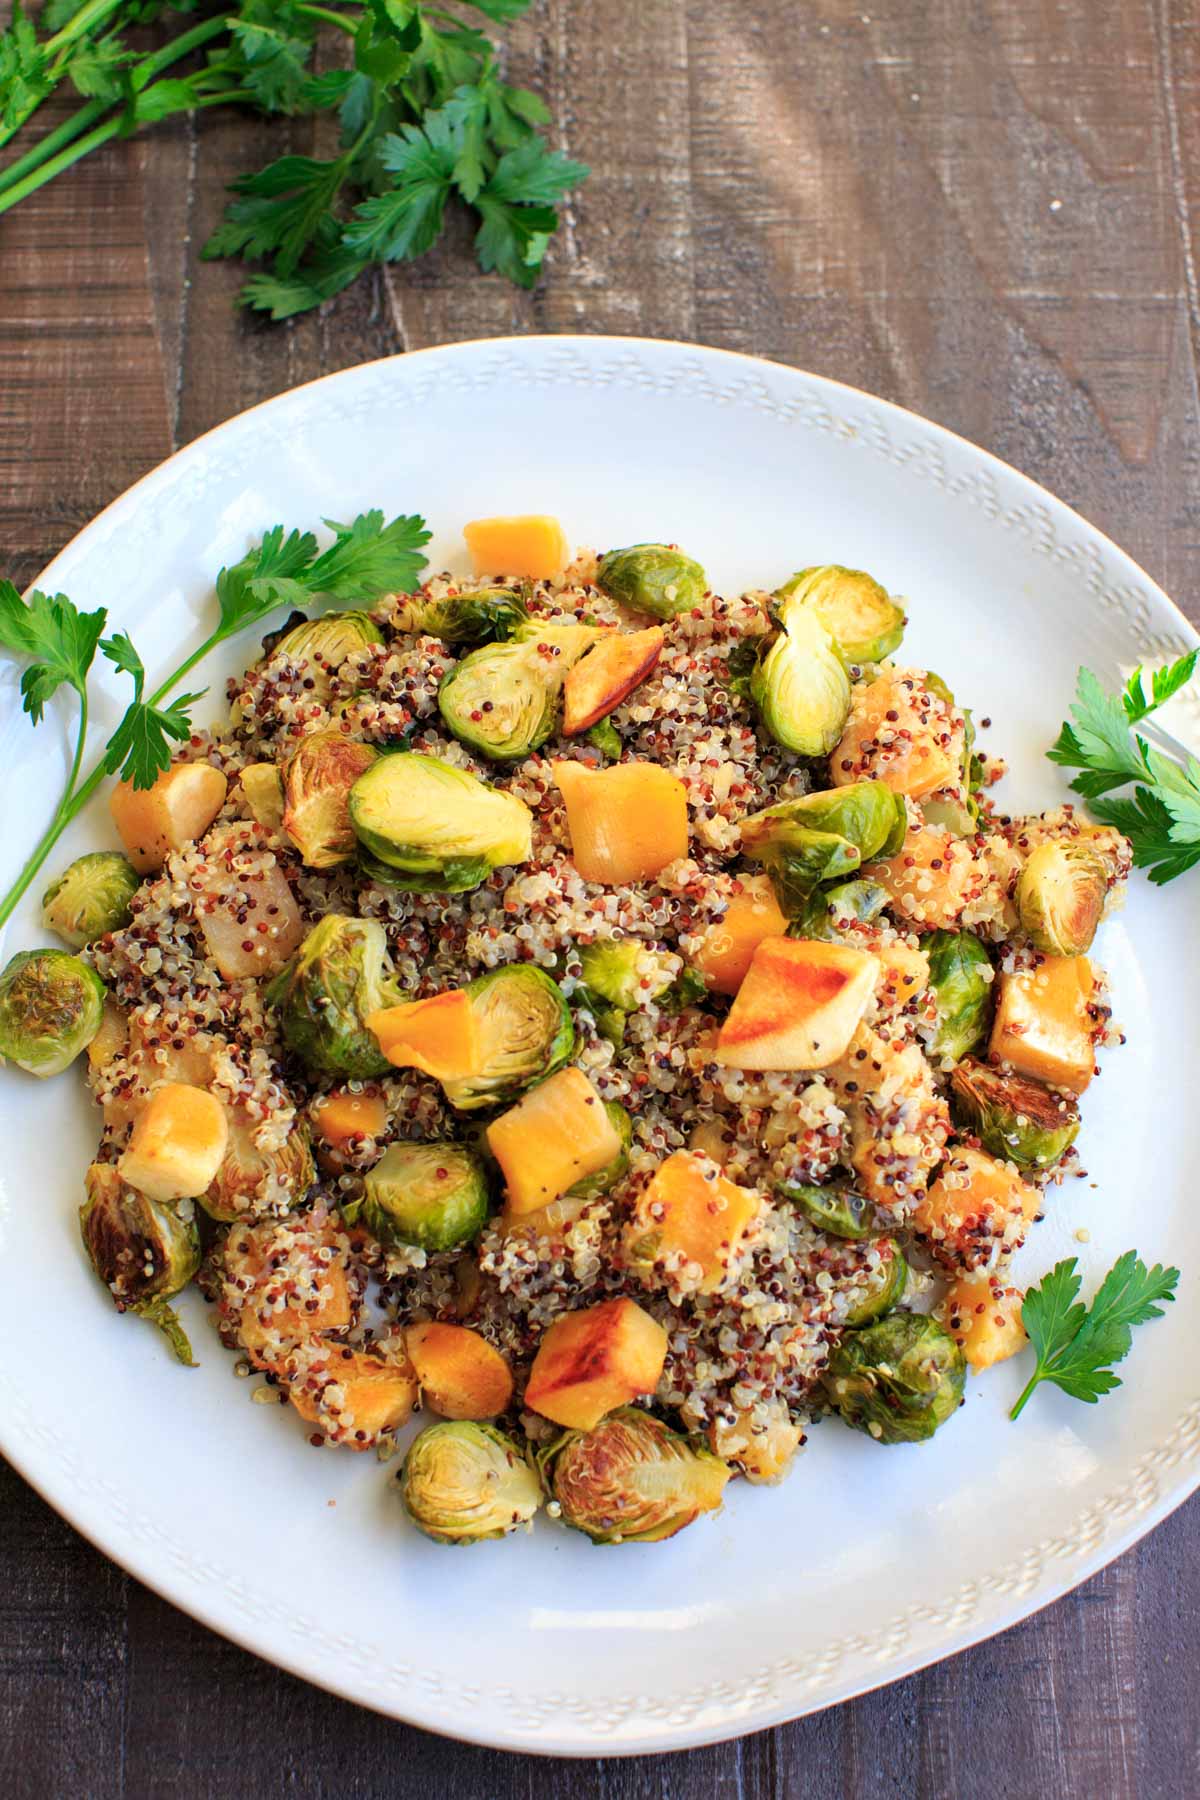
pixel 1077 1345
pixel 420 113
pixel 58 645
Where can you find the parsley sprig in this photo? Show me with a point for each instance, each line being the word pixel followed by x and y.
pixel 1077 1345
pixel 1161 818
pixel 58 645
pixel 423 118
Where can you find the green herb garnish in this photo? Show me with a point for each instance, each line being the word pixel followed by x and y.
pixel 1076 1345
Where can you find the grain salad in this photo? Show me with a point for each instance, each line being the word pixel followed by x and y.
pixel 614 1020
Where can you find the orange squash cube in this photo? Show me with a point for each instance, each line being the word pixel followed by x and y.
pixel 461 1375
pixel 590 1362
pixel 627 822
pixel 976 1207
pixel 798 1006
pixel 1043 1026
pixel 985 1317
pixel 554 1136
pixel 178 809
pixel 727 947
pixel 376 1396
pixel 528 544
pixel 691 1209
pixel 931 879
pixel 439 1036
pixel 177 1144
pixel 342 1118
pixel 901 734
pixel 606 675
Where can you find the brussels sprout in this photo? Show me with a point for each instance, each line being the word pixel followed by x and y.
pixel 1060 897
pixel 836 1209
pixel 51 1005
pixel 605 738
pixel 325 644
pixel 653 578
pixel 885 1285
pixel 435 826
pixel 317 779
pixel 810 857
pixel 800 687
pixel 950 811
pixel 526 1032
pixel 688 989
pixel 432 1195
pixel 341 974
pixel 591 1186
pixel 90 898
pixel 456 876
pixel 828 910
pixel 867 814
pixel 631 1479
pixel 252 1181
pixel 623 972
pixel 960 976
pixel 483 616
pixel 142 1250
pixel 860 616
pixel 1017 1119
pixel 503 700
pixel 898 1380
pixel 464 1482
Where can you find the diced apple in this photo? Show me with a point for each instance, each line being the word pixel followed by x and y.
pixel 1043 1026
pixel 975 1208
pixel 590 1362
pixel 626 822
pixel 557 1134
pixel 609 672
pixel 904 973
pixel 798 1005
pixel 461 1375
pixel 439 1036
pixel 178 809
pixel 261 791
pixel 529 544
pixel 177 1143
pixel 985 1317
pixel 373 1395
pixel 727 947
pixel 249 916
pixel 763 1443
pixel 691 1210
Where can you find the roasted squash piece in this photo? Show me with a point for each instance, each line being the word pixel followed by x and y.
pixel 627 822
pixel 177 1143
pixel 529 544
pixel 178 809
pixel 557 1134
pixel 691 1210
pixel 606 675
pixel 590 1362
pixel 931 880
pixel 902 733
pixel 342 1116
pixel 355 1395
pixel 261 791
pixel 440 1035
pixel 798 1006
pixel 728 946
pixel 248 915
pixel 984 1316
pixel 976 1207
pixel 461 1375
pixel 1043 1026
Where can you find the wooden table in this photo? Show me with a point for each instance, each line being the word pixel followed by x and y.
pixel 979 208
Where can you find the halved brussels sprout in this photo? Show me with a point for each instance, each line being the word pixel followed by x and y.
pixel 829 910
pixel 325 644
pixel 860 616
pixel 90 897
pixel 340 975
pixel 898 1379
pixel 435 826
pixel 961 977
pixel 142 1250
pixel 317 779
pixel 591 1186
pixel 884 1287
pixel 837 1209
pixel 800 687
pixel 652 578
pixel 251 1181
pixel 810 857
pixel 1017 1119
pixel 51 1005
pixel 503 700
pixel 483 616
pixel 464 1482
pixel 867 814
pixel 1060 897
pixel 432 1195
pixel 605 738
pixel 624 972
pixel 631 1479
pixel 526 1032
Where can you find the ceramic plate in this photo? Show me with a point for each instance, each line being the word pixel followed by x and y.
pixel 868 1562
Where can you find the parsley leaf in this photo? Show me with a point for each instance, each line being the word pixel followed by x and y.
pixel 406 220
pixel 368 558
pixel 1076 1345
pixel 59 640
pixel 268 576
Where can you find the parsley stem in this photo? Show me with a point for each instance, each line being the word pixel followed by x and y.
pixel 29 184
pixel 54 140
pixel 1026 1391
pixel 350 26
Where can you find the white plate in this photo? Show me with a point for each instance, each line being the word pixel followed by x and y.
pixel 868 1562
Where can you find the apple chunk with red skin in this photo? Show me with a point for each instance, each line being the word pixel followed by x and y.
pixel 612 669
pixel 798 1006
pixel 590 1362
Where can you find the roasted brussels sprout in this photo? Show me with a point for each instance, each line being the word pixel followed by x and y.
pixel 503 700
pixel 605 738
pixel 961 977
pixel 1060 897
pixel 826 912
pixel 434 1196
pixel 251 1181
pixel 816 838
pixel 483 616
pixel 631 1479
pixel 1017 1119
pixel 51 1005
pixel 836 1209
pixel 463 1482
pixel 884 1288
pixel 898 1379
pixel 90 898
pixel 526 1032
pixel 954 810
pixel 143 1250
pixel 341 973
pixel 652 578
pixel 592 1186
pixel 317 779
pixel 436 827
pixel 623 972
pixel 799 685
pixel 325 643
pixel 860 616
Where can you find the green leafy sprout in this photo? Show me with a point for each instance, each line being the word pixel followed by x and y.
pixel 1076 1345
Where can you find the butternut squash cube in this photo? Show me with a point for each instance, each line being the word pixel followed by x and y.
pixel 590 1362
pixel 1042 1025
pixel 798 1006
pixel 557 1134
pixel 931 879
pixel 691 1209
pixel 321 1299
pixel 985 1317
pixel 178 809
pixel 627 822
pixel 356 1392
pixel 529 544
pixel 341 1117
pixel 177 1144
pixel 902 734
pixel 727 947
pixel 461 1375
pixel 606 675
pixel 975 1208
pixel 440 1035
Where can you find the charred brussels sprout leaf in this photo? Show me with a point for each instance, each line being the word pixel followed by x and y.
pixel 1016 1119
pixel 341 974
pixel 317 779
pixel 860 616
pixel 652 578
pixel 464 1482
pixel 142 1250
pixel 435 827
pixel 884 1288
pixel 90 898
pixel 591 1186
pixel 434 1196
pixel 687 989
pixel 960 975
pixel 1060 897
pixel 326 643
pixel 482 616
pixel 526 1032
pixel 898 1379
pixel 836 1209
pixel 51 1004
pixel 631 1479
pixel 799 686
pixel 827 912
pixel 503 700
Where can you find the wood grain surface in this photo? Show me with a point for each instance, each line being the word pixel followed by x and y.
pixel 982 209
